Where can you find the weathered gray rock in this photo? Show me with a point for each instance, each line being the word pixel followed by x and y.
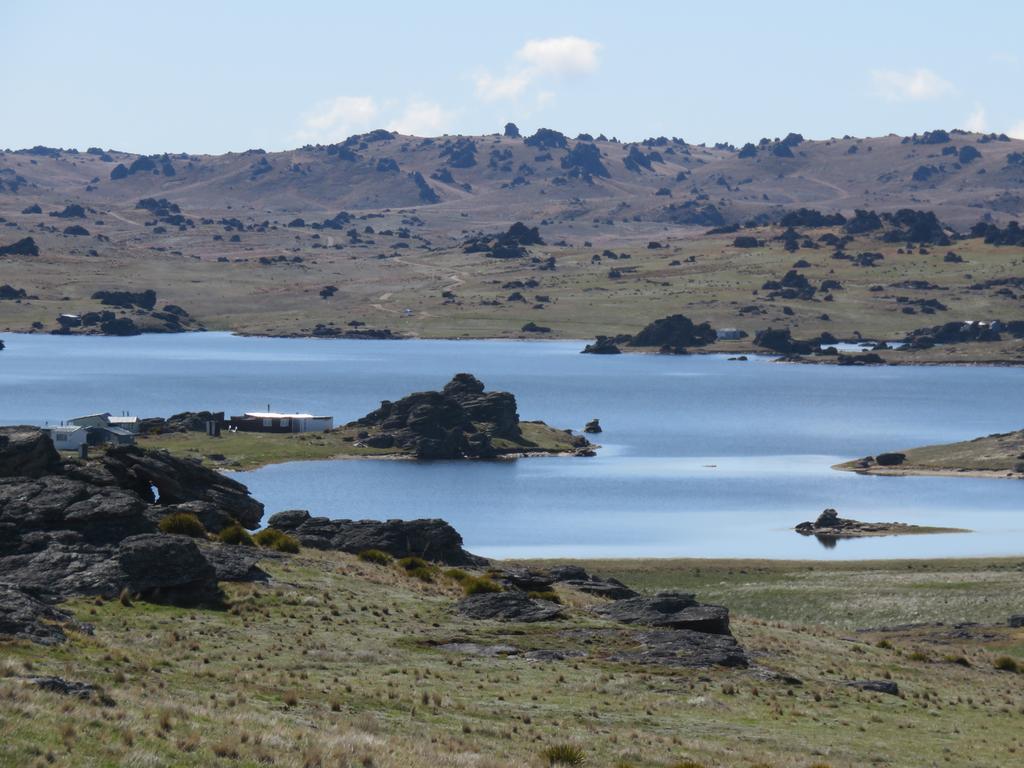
pixel 64 687
pixel 685 648
pixel 508 606
pixel 25 617
pixel 26 452
pixel 675 610
pixel 878 686
pixel 432 539
pixel 179 481
pixel 576 577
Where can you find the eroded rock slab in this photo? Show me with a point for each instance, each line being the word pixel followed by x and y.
pixel 508 606
pixel 431 539
pixel 674 610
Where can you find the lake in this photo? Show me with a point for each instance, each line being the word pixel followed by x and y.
pixel 701 456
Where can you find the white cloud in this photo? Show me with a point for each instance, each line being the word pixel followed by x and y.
pixel 1017 131
pixel 491 88
pixel 421 118
pixel 544 58
pixel 977 121
pixel 334 120
pixel 916 85
pixel 560 55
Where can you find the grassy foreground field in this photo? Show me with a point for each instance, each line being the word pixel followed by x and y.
pixel 999 455
pixel 249 450
pixel 336 662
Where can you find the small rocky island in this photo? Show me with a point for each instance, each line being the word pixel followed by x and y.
pixel 831 526
pixel 460 421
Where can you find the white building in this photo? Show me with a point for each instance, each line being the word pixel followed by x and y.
pixel 67 438
pixel 271 421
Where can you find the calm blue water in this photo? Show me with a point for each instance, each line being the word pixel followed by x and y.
pixel 702 457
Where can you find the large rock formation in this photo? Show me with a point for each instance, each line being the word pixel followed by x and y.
pixel 674 333
pixel 432 540
pixel 508 606
pixel 459 421
pixel 92 528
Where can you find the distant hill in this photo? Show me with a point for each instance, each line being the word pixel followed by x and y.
pixel 963 177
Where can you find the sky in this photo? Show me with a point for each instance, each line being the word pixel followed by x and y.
pixel 213 77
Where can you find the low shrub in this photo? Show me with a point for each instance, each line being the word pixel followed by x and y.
pixel 183 524
pixel 271 538
pixel 478 585
pixel 418 568
pixel 375 556
pixel 563 754
pixel 456 574
pixel 236 535
pixel 1007 664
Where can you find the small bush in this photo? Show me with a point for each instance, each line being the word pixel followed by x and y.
pixel 375 556
pixel 456 574
pixel 478 585
pixel 271 538
pixel 546 595
pixel 919 656
pixel 418 568
pixel 236 535
pixel 1007 664
pixel 183 524
pixel 885 644
pixel 563 754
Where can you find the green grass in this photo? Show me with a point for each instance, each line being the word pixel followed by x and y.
pixel 249 450
pixel 998 453
pixel 336 662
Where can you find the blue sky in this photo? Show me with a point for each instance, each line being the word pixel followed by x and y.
pixel 223 76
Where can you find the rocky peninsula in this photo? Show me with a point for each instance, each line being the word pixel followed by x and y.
pixel 830 526
pixel 459 421
pixel 999 455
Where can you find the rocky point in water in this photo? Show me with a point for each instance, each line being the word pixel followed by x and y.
pixel 830 526
pixel 460 421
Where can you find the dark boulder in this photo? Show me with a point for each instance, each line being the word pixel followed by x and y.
pixel 675 332
pixel 603 345
pixel 432 540
pixel 127 299
pixel 670 610
pixel 593 427
pixel 26 452
pixel 508 606
pixel 584 160
pixel 876 686
pixel 781 340
pixel 24 247
pixel 890 459
pixel 683 648
pixel 511 131
pixel 546 138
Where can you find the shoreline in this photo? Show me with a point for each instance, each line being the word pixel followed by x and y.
pixel 912 471
pixel 732 351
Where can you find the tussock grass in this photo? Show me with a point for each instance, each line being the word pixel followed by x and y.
pixel 271 538
pixel 236 535
pixel 184 524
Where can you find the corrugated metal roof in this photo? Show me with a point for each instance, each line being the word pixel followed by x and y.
pixel 273 415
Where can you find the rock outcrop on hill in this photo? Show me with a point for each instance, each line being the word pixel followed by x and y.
pixel 433 540
pixel 674 333
pixel 72 527
pixel 460 421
